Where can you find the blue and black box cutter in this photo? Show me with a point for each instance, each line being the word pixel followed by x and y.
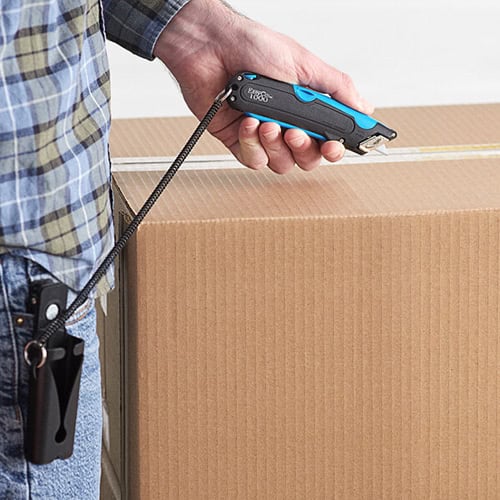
pixel 317 114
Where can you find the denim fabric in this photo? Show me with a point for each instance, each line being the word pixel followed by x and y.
pixel 73 478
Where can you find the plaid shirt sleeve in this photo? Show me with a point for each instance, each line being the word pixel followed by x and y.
pixel 137 24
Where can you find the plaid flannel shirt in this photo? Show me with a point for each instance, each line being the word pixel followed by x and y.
pixel 55 202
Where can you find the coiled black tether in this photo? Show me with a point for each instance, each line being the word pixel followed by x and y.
pixel 35 351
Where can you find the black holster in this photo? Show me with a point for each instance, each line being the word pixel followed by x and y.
pixel 54 384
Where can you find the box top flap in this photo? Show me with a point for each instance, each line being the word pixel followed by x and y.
pixel 333 191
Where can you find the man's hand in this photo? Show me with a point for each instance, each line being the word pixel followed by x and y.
pixel 207 43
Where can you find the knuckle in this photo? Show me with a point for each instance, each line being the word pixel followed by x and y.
pixel 310 165
pixel 346 80
pixel 281 168
pixel 249 142
pixel 253 162
pixel 255 165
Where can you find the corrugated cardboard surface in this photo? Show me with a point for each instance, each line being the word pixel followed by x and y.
pixel 417 126
pixel 334 191
pixel 331 334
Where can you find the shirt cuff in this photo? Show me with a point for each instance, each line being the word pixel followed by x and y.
pixel 137 24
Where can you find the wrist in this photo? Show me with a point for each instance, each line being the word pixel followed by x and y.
pixel 200 26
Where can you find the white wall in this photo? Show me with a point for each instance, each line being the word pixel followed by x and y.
pixel 399 53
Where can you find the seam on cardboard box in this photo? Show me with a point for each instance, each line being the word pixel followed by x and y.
pixel 395 155
pixel 378 215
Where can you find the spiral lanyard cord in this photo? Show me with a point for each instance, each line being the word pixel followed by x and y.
pixel 35 352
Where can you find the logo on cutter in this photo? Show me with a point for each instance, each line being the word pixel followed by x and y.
pixel 258 95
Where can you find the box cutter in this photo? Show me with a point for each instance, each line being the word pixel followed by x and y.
pixel 318 115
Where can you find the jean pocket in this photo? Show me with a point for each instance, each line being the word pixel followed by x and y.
pixel 82 324
pixel 80 313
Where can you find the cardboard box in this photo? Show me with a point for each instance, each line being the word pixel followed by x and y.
pixel 332 334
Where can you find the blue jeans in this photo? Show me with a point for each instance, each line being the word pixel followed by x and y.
pixel 73 478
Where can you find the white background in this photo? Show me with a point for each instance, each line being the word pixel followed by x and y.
pixel 399 52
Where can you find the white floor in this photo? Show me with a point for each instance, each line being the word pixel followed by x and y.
pixel 399 52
